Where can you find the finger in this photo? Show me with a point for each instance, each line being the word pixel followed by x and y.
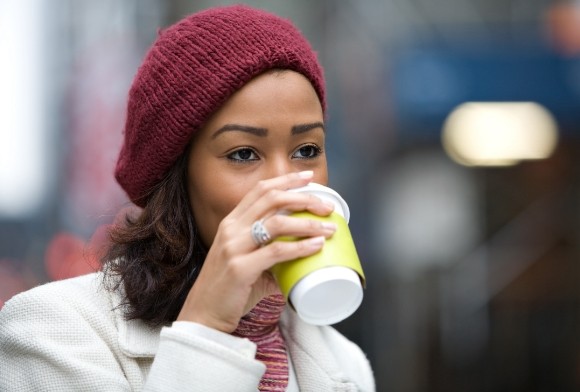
pixel 274 226
pixel 285 182
pixel 282 225
pixel 280 251
pixel 279 201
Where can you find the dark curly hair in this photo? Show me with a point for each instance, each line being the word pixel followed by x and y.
pixel 156 256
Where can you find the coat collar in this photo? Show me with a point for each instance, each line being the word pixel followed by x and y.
pixel 313 354
pixel 136 338
pixel 314 362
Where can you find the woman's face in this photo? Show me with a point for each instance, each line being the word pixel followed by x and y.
pixel 271 126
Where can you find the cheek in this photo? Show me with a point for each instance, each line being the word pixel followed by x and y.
pixel 211 202
pixel 321 179
pixel 225 201
pixel 321 174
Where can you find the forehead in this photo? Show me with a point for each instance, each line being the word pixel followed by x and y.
pixel 276 87
pixel 268 99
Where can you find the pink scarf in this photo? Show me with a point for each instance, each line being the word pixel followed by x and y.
pixel 260 326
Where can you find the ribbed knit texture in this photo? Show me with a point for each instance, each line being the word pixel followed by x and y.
pixel 189 72
pixel 260 326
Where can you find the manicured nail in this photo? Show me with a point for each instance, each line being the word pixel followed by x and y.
pixel 306 174
pixel 328 204
pixel 315 242
pixel 329 226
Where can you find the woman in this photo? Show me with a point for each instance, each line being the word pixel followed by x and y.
pixel 225 114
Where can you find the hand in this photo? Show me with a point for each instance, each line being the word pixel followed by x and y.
pixel 235 277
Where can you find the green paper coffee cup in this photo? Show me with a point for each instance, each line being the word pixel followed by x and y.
pixel 327 287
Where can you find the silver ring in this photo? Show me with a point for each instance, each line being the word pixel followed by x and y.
pixel 260 234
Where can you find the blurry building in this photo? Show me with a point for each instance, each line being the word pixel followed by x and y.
pixel 472 268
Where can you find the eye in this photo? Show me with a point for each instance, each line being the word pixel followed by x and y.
pixel 243 155
pixel 308 151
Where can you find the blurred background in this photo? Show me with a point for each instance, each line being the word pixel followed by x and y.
pixel 454 135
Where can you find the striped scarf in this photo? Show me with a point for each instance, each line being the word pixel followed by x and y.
pixel 260 326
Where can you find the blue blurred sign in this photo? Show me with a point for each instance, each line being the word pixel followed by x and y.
pixel 429 82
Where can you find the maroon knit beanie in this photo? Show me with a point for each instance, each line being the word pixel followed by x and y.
pixel 189 72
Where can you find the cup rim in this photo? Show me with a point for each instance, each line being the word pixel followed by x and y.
pixel 323 192
pixel 346 277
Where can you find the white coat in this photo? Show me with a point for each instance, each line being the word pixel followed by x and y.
pixel 71 336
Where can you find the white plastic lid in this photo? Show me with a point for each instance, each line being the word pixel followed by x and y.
pixel 327 296
pixel 328 194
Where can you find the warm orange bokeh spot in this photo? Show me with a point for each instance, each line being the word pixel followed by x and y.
pixel 563 23
pixel 68 255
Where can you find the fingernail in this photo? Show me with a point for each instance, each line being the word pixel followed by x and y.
pixel 329 226
pixel 328 204
pixel 306 174
pixel 315 242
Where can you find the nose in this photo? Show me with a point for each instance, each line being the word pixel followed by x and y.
pixel 279 165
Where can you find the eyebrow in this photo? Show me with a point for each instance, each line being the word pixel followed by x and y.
pixel 301 128
pixel 296 129
pixel 240 128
